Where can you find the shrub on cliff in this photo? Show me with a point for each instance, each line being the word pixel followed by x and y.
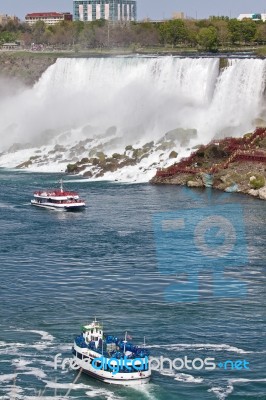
pixel 257 182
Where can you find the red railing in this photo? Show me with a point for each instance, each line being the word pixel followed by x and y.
pixel 237 147
pixel 56 193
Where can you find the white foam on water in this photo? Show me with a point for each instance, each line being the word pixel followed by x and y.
pixel 146 390
pixel 188 378
pixel 64 347
pixel 21 363
pixel 44 335
pixel 69 385
pixel 181 377
pixel 40 397
pixel 7 377
pixel 16 349
pixel 39 373
pixel 223 392
pixel 12 344
pixel 167 372
pixel 49 364
pixel 91 391
pixel 6 205
pixel 6 347
pixel 201 346
pixel 245 380
pixel 107 394
pixel 13 393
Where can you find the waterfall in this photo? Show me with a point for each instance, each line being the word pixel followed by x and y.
pixel 140 98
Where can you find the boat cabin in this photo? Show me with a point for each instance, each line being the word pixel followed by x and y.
pixel 93 333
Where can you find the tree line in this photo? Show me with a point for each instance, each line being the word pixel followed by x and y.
pixel 209 34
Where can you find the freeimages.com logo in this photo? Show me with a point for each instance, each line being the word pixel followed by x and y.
pixel 161 363
pixel 189 241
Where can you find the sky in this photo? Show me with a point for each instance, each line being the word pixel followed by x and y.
pixel 154 9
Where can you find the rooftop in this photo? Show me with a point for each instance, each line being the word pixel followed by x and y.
pixel 46 14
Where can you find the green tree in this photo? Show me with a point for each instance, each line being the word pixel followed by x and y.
pixel 163 31
pixel 173 32
pixel 248 30
pixel 7 37
pixel 192 32
pixel 221 18
pixel 222 31
pixel 11 26
pixel 203 23
pixel 78 27
pixel 87 36
pixel 38 31
pixel 208 38
pixel 234 27
pixel 145 34
pixel 260 36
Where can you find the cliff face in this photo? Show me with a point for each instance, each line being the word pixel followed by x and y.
pixel 27 68
pixel 232 165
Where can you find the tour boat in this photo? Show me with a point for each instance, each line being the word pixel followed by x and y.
pixel 58 199
pixel 110 359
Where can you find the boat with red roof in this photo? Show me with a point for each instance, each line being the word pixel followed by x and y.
pixel 58 199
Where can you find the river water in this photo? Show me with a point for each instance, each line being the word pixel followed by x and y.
pixel 113 261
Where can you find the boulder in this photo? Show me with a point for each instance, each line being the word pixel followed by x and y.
pixel 262 193
pixel 231 189
pixel 194 184
pixel 253 192
pixel 25 164
pixel 88 174
pixel 173 154
pixel 181 135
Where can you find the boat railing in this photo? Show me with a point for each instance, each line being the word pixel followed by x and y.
pixel 56 193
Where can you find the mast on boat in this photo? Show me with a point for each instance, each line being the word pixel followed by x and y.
pixel 61 185
pixel 125 341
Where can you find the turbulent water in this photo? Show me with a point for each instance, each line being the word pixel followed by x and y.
pixel 133 100
pixel 59 270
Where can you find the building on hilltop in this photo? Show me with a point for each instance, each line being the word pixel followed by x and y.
pixel 178 15
pixel 50 18
pixel 254 17
pixel 111 10
pixel 4 19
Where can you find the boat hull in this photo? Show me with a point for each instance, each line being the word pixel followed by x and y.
pixel 126 379
pixel 82 359
pixel 60 207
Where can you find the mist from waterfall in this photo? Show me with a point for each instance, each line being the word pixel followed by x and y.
pixel 140 98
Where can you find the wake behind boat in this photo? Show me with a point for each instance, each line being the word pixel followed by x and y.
pixel 110 359
pixel 58 199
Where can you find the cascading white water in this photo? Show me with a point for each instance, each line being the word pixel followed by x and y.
pixel 142 97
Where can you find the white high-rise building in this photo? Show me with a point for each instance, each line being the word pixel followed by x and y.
pixel 112 10
pixel 254 17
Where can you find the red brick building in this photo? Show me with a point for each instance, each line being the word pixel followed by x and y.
pixel 50 18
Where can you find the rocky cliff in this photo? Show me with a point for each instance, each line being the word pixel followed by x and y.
pixel 231 164
pixel 27 68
